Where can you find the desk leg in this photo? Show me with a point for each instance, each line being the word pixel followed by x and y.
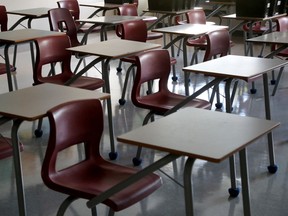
pixel 174 77
pixel 8 71
pixel 272 168
pixel 188 192
pixel 185 62
pixel 245 182
pixel 18 168
pixel 234 190
pixel 18 23
pixel 105 73
pixel 160 19
pixel 215 11
pixel 103 34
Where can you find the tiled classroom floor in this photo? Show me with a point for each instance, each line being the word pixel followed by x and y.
pixel 211 181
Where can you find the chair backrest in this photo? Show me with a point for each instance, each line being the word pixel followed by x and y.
pixel 3 18
pixel 85 119
pixel 196 16
pixel 72 6
pixel 133 30
pixel 60 19
pixel 136 2
pixel 151 65
pixel 51 50
pixel 282 24
pixel 256 27
pixel 218 44
pixel 127 10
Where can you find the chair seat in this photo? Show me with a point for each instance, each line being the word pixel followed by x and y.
pixel 3 68
pixel 283 53
pixel 161 103
pixel 154 35
pixel 90 181
pixel 89 83
pixel 6 149
pixel 256 29
pixel 197 42
pixel 202 43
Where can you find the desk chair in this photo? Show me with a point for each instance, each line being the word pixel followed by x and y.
pixel 60 19
pixel 131 10
pixel 4 27
pixel 74 8
pixel 257 29
pixel 218 45
pixel 52 50
pixel 136 31
pixel 155 66
pixel 196 16
pixel 94 175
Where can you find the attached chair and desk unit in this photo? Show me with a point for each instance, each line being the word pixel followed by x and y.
pixel 20 106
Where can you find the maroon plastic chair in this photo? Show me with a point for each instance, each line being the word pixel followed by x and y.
pixel 94 175
pixel 257 29
pixel 74 8
pixel 4 27
pixel 152 66
pixel 281 26
pixel 60 19
pixel 52 50
pixel 131 10
pixel 132 30
pixel 136 31
pixel 218 45
pixel 196 16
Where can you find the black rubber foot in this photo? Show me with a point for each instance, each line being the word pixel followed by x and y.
pixel 118 69
pixel 273 82
pixel 113 155
pixel 174 78
pixel 234 192
pixel 38 133
pixel 122 101
pixel 218 105
pixel 272 168
pixel 137 161
pixel 253 91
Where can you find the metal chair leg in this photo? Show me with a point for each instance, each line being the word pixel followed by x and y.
pixel 137 160
pixel 65 204
pixel 122 99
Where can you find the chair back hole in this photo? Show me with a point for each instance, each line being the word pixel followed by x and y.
pixel 70 156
